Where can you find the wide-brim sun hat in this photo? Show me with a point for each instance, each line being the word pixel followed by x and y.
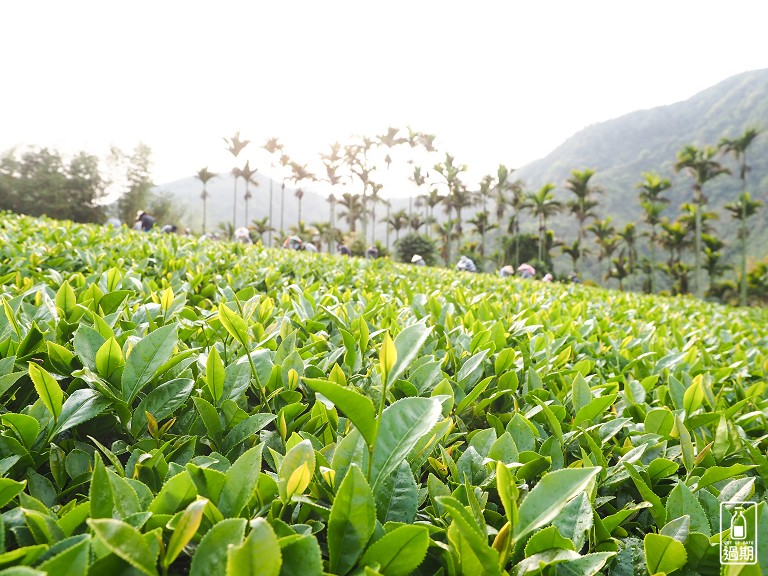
pixel 416 258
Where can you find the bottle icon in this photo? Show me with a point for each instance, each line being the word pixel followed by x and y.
pixel 739 524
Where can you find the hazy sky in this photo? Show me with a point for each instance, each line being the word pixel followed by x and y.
pixel 496 81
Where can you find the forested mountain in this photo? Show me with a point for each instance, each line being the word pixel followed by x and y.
pixel 620 150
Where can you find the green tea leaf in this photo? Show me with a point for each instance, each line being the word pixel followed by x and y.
pixel 240 482
pixel 126 542
pixel 215 374
pixel 109 359
pixel 259 555
pixel 358 408
pixel 550 496
pixel 401 427
pixel 147 356
pixel 399 552
pixel 663 553
pixel 682 502
pixel 296 470
pixel 210 557
pixel 47 389
pixel 185 529
pixel 387 357
pixel 408 345
pixel 234 324
pixel 80 407
pixel 351 523
pixel 73 561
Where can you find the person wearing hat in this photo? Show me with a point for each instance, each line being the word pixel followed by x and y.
pixel 506 271
pixel 145 220
pixel 343 250
pixel 547 277
pixel 418 260
pixel 466 264
pixel 243 235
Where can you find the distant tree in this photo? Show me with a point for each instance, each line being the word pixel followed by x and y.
pixel 285 162
pixel 416 222
pixel 482 225
pixel 653 204
pixel 333 162
pixel 412 244
pixel 420 180
pixel 743 209
pixel 628 235
pixel 738 148
pixel 138 182
pixel 260 227
pixel 375 198
pixel 500 193
pixel 575 251
pixel 247 173
pixel 458 197
pixel 700 164
pixel 165 207
pixel 605 236
pixel 446 234
pixel 354 209
pixel 542 205
pixel 40 181
pixel 713 257
pixel 300 173
pixel 432 199
pixel 675 237
pixel 329 236
pixel 299 193
pixel 582 206
pixel 356 156
pixel 332 208
pixel 516 201
pixel 235 145
pixel 619 269
pixel 273 148
pixel 205 175
pixel 397 221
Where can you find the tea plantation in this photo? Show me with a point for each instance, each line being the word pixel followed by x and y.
pixel 172 406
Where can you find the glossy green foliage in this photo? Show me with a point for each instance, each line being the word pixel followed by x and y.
pixel 175 407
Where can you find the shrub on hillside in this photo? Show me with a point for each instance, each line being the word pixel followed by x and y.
pixel 413 243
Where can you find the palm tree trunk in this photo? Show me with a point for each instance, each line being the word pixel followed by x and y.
pixel 234 206
pixel 388 214
pixel 364 220
pixel 205 207
pixel 542 227
pixel 699 283
pixel 298 223
pixel 743 287
pixel 517 241
pixel 333 226
pixel 269 234
pixel 373 224
pixel 653 259
pixel 282 209
pixel 246 203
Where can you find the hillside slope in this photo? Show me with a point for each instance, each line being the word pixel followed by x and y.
pixel 620 150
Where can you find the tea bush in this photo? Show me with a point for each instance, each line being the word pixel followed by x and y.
pixel 181 407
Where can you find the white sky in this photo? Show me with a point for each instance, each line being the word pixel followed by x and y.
pixel 496 81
